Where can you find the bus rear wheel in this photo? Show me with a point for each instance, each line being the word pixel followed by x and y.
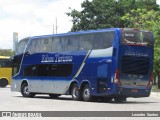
pixel 3 82
pixel 120 99
pixel 106 99
pixel 25 92
pixel 86 93
pixel 76 93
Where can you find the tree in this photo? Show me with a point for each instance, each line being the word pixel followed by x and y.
pixel 98 14
pixel 6 52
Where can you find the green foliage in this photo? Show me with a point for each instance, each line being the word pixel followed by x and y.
pixel 155 88
pixel 98 14
pixel 6 52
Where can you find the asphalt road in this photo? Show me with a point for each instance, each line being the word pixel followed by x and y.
pixel 13 101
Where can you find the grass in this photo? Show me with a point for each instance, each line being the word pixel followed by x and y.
pixel 155 88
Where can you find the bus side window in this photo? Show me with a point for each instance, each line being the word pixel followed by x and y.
pixel 103 40
pixel 60 70
pixel 86 42
pixel 66 70
pixel 46 45
pixel 108 39
pixel 54 70
pixel 72 43
pixel 34 46
pixel 56 46
pixel 63 43
pixel 97 42
pixel 27 71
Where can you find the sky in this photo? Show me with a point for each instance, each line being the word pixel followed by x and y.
pixel 34 17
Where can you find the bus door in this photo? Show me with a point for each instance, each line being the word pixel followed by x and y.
pixel 104 76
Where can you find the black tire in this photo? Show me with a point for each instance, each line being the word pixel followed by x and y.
pixel 3 82
pixel 25 92
pixel 106 99
pixel 86 93
pixel 54 96
pixel 120 99
pixel 76 93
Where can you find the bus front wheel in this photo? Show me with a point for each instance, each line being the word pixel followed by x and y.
pixel 76 93
pixel 25 92
pixel 3 82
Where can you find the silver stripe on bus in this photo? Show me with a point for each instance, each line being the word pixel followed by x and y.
pixel 101 53
pixel 79 70
pixel 82 65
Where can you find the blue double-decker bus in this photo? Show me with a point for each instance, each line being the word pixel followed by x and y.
pixel 109 64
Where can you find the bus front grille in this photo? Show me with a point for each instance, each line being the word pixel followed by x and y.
pixel 135 65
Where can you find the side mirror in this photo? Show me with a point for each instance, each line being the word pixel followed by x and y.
pixel 114 52
pixel 27 53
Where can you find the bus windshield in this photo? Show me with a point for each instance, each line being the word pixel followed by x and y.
pixel 137 37
pixel 21 46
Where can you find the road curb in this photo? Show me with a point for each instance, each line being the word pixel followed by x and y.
pixel 155 94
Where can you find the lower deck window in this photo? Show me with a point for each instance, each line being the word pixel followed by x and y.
pixel 56 70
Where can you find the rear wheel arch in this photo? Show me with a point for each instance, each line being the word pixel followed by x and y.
pixel 23 82
pixel 71 86
pixel 84 83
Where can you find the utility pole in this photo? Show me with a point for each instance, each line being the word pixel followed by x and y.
pixel 55 27
pixel 15 40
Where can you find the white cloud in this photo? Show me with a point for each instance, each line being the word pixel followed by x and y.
pixel 33 17
pixel 158 2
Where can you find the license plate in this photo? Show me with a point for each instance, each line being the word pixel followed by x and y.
pixel 134 90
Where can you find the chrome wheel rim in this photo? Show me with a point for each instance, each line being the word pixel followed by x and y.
pixel 75 92
pixel 26 92
pixel 86 93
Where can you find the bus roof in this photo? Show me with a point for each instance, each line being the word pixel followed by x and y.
pixel 77 32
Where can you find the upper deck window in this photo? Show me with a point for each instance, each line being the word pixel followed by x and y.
pixel 87 41
pixel 137 37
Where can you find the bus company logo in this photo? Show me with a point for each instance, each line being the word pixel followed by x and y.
pixel 56 58
pixel 130 53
